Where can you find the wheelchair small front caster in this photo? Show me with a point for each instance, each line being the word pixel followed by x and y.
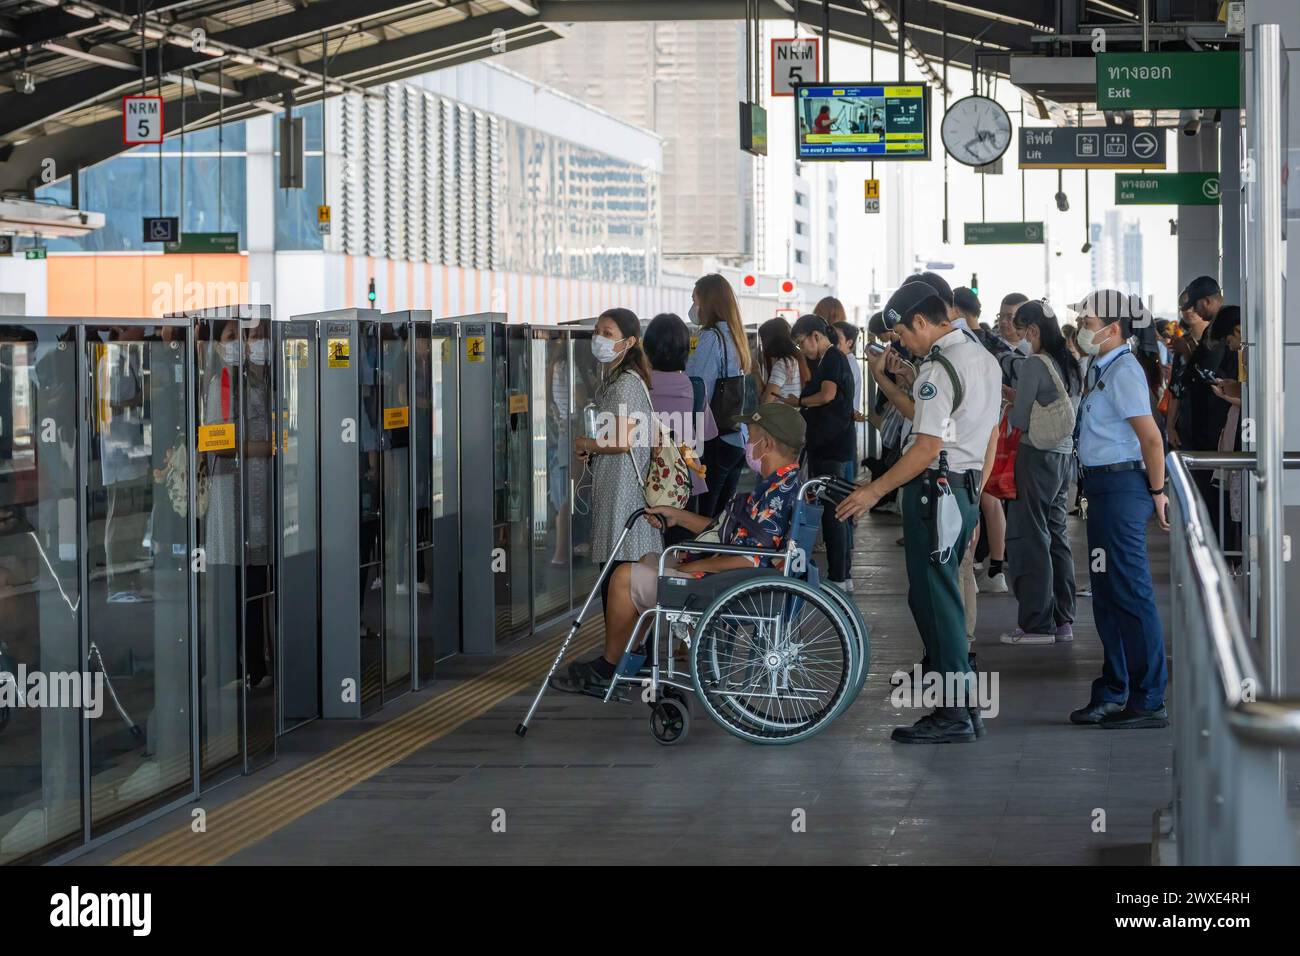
pixel 670 720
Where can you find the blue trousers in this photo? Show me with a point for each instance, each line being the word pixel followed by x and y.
pixel 1134 671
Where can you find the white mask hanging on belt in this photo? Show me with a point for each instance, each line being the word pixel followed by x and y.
pixel 947 522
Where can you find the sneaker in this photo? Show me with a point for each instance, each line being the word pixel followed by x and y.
pixel 1135 718
pixel 580 678
pixel 947 725
pixel 1084 592
pixel 842 585
pixel 848 585
pixel 1021 636
pixel 1065 633
pixel 992 583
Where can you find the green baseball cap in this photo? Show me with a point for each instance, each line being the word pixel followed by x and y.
pixel 783 422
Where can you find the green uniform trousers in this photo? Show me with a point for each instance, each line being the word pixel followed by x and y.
pixel 934 588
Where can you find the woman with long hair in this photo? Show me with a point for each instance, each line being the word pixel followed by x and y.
pixel 678 403
pixel 619 453
pixel 783 368
pixel 1039 562
pixel 720 361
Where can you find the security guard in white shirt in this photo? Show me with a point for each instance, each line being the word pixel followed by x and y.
pixel 957 395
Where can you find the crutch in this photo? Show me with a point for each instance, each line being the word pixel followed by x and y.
pixel 522 727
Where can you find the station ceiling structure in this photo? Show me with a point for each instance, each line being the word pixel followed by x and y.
pixel 65 64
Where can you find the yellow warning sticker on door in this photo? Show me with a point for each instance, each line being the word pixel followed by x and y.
pixel 518 402
pixel 396 417
pixel 216 437
pixel 475 348
pixel 339 353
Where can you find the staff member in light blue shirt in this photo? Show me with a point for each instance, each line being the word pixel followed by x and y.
pixel 1121 455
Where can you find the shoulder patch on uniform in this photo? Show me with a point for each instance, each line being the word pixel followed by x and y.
pixel 927 390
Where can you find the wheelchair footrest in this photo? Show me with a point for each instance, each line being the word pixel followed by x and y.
pixel 630 664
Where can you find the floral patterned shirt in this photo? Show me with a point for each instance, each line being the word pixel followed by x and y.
pixel 761 519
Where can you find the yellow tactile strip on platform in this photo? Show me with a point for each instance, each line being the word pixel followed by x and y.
pixel 250 818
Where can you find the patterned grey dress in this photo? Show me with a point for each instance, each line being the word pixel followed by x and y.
pixel 616 486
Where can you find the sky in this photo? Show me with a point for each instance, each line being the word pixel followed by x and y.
pixel 1001 268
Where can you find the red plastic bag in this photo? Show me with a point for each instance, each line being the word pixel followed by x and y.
pixel 1002 480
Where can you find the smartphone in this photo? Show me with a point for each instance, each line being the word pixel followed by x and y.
pixel 875 348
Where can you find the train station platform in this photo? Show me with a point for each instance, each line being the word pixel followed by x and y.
pixel 439 777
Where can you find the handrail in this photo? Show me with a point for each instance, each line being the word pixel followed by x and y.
pixel 1269 721
pixel 1234 460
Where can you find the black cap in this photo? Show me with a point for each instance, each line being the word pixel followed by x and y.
pixel 1201 287
pixel 935 281
pixel 909 297
pixel 876 324
pixel 966 300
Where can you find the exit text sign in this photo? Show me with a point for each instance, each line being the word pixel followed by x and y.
pixel 1167 189
pixel 1205 80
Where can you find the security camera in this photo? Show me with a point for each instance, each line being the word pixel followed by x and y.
pixel 83 217
pixel 1086 246
pixel 1173 227
pixel 1062 201
pixel 24 82
pixel 1193 124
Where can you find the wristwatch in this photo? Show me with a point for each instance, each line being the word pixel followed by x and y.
pixel 1161 490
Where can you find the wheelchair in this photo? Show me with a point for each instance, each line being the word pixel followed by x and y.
pixel 774 654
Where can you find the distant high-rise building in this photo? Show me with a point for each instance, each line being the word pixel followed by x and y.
pixel 683 80
pixel 1116 254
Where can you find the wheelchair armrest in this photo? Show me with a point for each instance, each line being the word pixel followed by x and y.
pixel 707 548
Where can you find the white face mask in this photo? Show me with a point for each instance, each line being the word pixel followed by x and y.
pixel 259 351
pixel 694 314
pixel 947 525
pixel 228 352
pixel 1088 340
pixel 603 349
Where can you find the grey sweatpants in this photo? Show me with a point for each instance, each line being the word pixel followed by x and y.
pixel 1039 563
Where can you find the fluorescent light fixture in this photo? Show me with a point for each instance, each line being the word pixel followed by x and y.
pixel 243 58
pixel 77 10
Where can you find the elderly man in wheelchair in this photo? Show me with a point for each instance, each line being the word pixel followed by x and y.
pixel 771 655
pixel 760 519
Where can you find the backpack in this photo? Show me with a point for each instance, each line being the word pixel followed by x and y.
pixel 668 479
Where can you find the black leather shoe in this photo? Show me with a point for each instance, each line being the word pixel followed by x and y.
pixel 947 725
pixel 1134 718
pixel 976 721
pixel 1094 713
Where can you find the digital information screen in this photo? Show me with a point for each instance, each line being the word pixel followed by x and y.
pixel 872 121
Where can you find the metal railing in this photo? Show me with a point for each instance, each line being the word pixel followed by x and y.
pixel 1230 804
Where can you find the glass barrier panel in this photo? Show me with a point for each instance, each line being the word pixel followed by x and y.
pixel 40 747
pixel 137 607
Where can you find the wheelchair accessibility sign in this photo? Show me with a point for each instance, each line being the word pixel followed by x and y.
pixel 339 352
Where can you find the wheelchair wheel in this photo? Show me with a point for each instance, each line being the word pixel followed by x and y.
pixel 773 660
pixel 670 720
pixel 861 639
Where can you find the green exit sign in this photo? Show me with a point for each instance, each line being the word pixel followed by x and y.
pixel 198 243
pixel 1003 233
pixel 1206 80
pixel 35 253
pixel 1166 189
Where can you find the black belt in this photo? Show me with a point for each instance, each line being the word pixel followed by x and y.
pixel 1117 466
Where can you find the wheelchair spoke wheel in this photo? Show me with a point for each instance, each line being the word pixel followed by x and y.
pixel 773 660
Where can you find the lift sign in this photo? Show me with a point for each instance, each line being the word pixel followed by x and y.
pixel 339 353
pixel 142 120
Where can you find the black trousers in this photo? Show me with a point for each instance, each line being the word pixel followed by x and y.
pixel 834 531
pixel 723 464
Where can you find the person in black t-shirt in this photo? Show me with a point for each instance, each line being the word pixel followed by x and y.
pixel 827 403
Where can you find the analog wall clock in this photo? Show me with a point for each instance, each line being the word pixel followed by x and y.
pixel 976 130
